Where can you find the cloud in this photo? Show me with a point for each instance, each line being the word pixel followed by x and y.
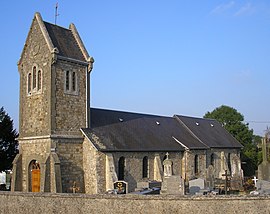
pixel 223 7
pixel 247 9
pixel 242 77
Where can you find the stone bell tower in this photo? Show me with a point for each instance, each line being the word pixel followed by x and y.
pixel 54 70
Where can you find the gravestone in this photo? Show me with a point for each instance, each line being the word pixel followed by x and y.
pixel 148 185
pixel 196 185
pixel 263 187
pixel 210 177
pixel 2 181
pixel 2 178
pixel 264 167
pixel 173 185
pixel 223 165
pixel 120 187
pixel 255 181
pixel 236 181
pixel 167 164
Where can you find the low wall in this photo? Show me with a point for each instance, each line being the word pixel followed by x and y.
pixel 81 203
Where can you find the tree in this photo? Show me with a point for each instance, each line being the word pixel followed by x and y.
pixel 233 122
pixel 8 142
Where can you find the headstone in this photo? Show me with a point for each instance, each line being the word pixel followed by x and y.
pixel 121 187
pixel 236 181
pixel 167 163
pixel 2 181
pixel 173 185
pixel 3 178
pixel 223 165
pixel 236 166
pixel 210 177
pixel 148 185
pixel 263 187
pixel 264 167
pixel 196 185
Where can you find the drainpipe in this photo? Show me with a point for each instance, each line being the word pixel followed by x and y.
pixel 88 71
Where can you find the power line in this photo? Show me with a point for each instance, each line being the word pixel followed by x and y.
pixel 254 121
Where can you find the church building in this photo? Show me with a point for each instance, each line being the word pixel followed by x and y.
pixel 66 146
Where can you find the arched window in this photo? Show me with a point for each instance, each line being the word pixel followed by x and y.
pixel 145 167
pixel 196 164
pixel 121 168
pixel 34 77
pixel 29 87
pixel 212 159
pixel 67 80
pixel 73 81
pixel 39 80
pixel 229 162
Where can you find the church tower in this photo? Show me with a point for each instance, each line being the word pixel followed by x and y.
pixel 54 70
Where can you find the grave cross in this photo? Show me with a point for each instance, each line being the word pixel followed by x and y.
pixel 74 187
pixel 167 155
pixel 255 181
pixel 226 180
pixel 265 145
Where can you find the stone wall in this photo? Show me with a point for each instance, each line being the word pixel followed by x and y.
pixel 134 165
pixel 33 149
pixel 204 159
pixel 71 163
pixel 68 114
pixel 35 106
pixel 95 173
pixel 102 204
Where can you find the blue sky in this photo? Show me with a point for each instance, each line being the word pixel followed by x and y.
pixel 158 57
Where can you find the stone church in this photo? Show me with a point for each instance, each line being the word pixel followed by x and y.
pixel 65 145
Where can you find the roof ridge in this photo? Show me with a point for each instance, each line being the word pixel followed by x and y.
pixel 79 41
pixel 189 130
pixel 199 118
pixel 129 112
pixel 44 32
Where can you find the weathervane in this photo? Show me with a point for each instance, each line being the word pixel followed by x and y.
pixel 56 13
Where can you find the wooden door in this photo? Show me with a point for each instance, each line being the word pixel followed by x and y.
pixel 35 180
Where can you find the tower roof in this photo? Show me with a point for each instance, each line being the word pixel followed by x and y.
pixel 64 42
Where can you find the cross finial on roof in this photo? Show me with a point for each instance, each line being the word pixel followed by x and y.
pixel 56 13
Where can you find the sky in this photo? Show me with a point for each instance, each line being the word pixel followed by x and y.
pixel 158 57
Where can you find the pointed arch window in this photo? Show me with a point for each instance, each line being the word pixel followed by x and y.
pixel 39 80
pixel 29 85
pixel 121 168
pixel 145 167
pixel 212 159
pixel 229 162
pixel 34 77
pixel 34 80
pixel 196 164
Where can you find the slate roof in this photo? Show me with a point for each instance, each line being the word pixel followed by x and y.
pixel 124 131
pixel 210 132
pixel 65 42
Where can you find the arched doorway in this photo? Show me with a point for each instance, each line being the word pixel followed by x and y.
pixel 34 176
